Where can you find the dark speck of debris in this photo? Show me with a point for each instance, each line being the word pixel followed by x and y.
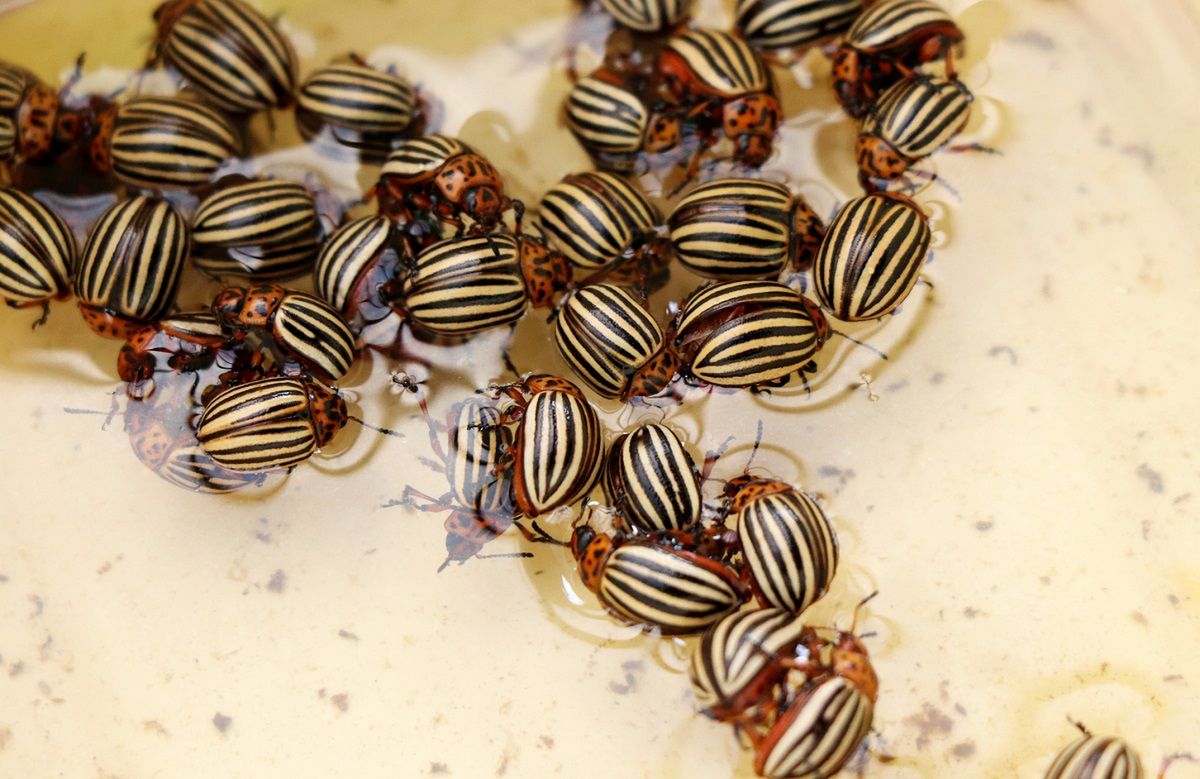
pixel 1173 599
pixel 222 722
pixel 278 581
pixel 346 634
pixel 546 742
pixel 3 579
pixel 963 751
pixel 984 525
pixel 937 378
pixel 1153 478
pixel 341 701
pixel 1173 678
pixel 439 768
pixel 930 721
pixel 38 606
pixel 1139 618
pixel 1035 39
pixel 996 351
pixel 16 669
pixel 632 668
pixel 971 613
pixel 1146 530
pixel 1140 153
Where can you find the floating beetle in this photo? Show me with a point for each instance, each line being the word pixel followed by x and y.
pixel 871 256
pixel 886 43
pixel 37 253
pixel 821 724
pixel 270 424
pixel 182 343
pixel 442 179
pixel 557 451
pixel 228 52
pixel 725 84
pixel 611 121
pixel 910 121
pixel 130 266
pixel 363 107
pixel 648 16
pixel 742 228
pixel 33 126
pixel 656 583
pixel 1098 757
pixel 161 143
pixel 303 327
pixel 789 547
pixel 651 481
pixel 773 25
pixel 259 228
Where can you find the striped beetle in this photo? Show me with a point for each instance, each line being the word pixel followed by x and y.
pixel 654 583
pixel 162 436
pixel 911 120
pixel 597 220
pixel 793 24
pixel 790 549
pixel 1096 757
pixel 30 129
pixel 614 126
pixel 747 334
pixel 466 285
pixel 358 267
pixel 648 16
pixel 481 499
pixel 37 253
pixel 130 266
pixel 612 342
pixel 162 143
pixel 228 52
pixel 301 326
pixel 258 227
pixel 885 43
pixel 441 177
pixel 743 228
pixel 733 89
pixel 871 256
pixel 557 452
pixel 364 107
pixel 651 481
pixel 741 659
pixel 270 424
pixel 822 723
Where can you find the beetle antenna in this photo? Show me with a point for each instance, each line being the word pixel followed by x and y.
pixel 858 609
pixel 510 366
pixel 1171 758
pixel 1082 728
pixel 878 352
pixel 369 426
pixel 758 436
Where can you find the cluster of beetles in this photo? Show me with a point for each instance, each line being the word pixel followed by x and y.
pixel 220 396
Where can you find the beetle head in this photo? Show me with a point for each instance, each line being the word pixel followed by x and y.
pixel 328 412
pixel 546 272
pixel 752 122
pixel 591 550
pixel 879 159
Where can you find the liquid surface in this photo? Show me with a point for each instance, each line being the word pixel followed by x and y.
pixel 1018 479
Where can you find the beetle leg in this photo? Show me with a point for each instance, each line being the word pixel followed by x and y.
pixel 536 534
pixel 45 316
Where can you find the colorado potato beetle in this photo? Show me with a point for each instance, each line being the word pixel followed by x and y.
pixel 37 253
pixel 741 659
pixel 607 337
pixel 557 451
pixel 648 16
pixel 656 585
pixel 598 220
pixel 480 499
pixel 910 121
pixel 727 80
pixel 358 268
pixel 442 177
pixel 871 256
pixel 363 107
pixel 259 228
pixel 747 334
pixel 651 481
pixel 613 124
pixel 162 143
pixel 793 24
pixel 29 117
pixel 130 266
pixel 228 52
pixel 301 326
pixel 466 285
pixel 1096 757
pixel 790 549
pixel 822 723
pixel 885 43
pixel 744 229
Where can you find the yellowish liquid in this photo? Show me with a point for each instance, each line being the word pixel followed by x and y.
pixel 1018 480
